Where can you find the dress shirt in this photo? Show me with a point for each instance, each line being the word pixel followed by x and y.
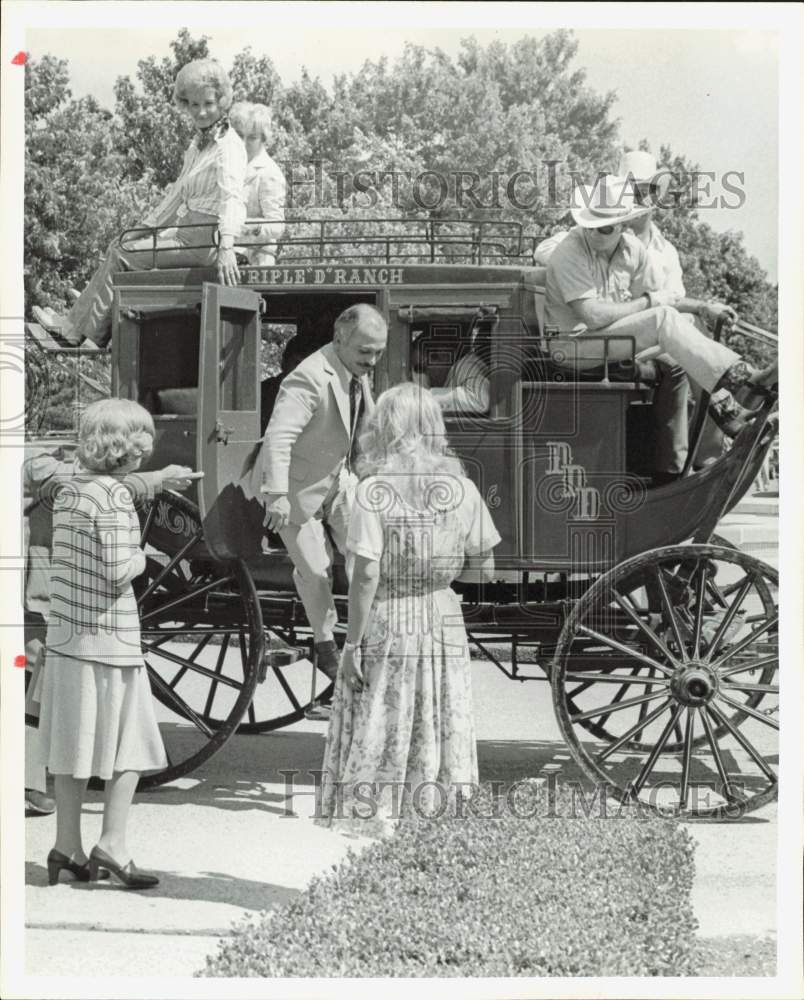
pixel 211 182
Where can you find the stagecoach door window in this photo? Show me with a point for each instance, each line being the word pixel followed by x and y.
pixel 229 417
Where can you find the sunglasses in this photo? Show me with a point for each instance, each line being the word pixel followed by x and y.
pixel 606 230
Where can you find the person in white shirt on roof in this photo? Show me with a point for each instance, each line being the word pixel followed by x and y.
pixel 265 183
pixel 598 282
pixel 670 400
pixel 207 196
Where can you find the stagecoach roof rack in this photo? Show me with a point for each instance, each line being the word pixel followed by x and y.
pixel 389 240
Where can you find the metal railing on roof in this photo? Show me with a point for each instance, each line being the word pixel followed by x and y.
pixel 370 241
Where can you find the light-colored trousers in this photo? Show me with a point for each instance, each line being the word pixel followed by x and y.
pixel 91 315
pixel 665 334
pixel 310 551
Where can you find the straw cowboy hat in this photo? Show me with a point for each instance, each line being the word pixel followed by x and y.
pixel 608 203
pixel 650 185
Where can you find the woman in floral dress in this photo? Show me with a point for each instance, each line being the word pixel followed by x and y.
pixel 401 738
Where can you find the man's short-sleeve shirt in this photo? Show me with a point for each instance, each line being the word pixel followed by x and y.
pixel 575 271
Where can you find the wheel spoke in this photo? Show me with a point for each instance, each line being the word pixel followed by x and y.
pixel 668 609
pixel 650 763
pixel 197 668
pixel 747 641
pixel 170 605
pixel 287 688
pixel 614 747
pixel 177 558
pixel 213 687
pixel 721 767
pixel 622 648
pixel 180 704
pixel 759 716
pixel 686 764
pixel 643 708
pixel 645 629
pixel 608 709
pixel 760 688
pixel 765 661
pixel 700 595
pixel 749 748
pixel 615 679
pixel 191 659
pixel 731 611
pixel 618 696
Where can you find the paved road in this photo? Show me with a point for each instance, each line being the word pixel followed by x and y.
pixel 224 844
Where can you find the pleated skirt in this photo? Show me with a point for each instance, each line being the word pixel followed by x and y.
pixel 97 720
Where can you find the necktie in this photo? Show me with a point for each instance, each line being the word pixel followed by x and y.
pixel 356 406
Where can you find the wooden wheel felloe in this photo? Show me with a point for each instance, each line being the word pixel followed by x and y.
pixel 202 636
pixel 673 655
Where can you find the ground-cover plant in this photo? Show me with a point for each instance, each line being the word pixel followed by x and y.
pixel 535 888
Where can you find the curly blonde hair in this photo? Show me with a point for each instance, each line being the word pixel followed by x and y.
pixel 248 118
pixel 405 442
pixel 202 73
pixel 114 434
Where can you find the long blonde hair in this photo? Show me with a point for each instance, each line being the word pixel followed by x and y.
pixel 405 443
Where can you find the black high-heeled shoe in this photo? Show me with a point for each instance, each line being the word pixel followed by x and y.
pixel 56 861
pixel 130 875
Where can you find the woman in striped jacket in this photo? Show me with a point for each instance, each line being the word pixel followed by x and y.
pixel 97 716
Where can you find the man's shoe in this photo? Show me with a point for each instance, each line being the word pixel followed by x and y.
pixel 38 804
pixel 761 385
pixel 318 713
pixel 327 657
pixel 56 326
pixel 47 319
pixel 729 416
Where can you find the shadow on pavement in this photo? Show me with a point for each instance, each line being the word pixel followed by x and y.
pixel 213 887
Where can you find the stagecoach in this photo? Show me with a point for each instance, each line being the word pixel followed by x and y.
pixel 658 638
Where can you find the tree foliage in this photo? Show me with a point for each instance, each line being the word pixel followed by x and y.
pixel 489 120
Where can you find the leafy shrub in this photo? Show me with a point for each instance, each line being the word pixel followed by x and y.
pixel 533 889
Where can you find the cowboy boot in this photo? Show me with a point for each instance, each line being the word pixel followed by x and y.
pixel 727 413
pixel 750 385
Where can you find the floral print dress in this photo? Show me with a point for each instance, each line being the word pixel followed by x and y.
pixel 405 744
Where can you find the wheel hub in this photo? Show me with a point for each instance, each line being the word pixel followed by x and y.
pixel 694 684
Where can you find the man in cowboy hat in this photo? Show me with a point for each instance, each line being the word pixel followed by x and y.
pixel 650 187
pixel 598 282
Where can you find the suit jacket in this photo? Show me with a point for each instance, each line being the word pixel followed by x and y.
pixel 307 438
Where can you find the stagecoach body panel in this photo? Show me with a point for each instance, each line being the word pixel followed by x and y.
pixel 555 457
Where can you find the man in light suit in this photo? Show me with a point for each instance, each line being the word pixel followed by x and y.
pixel 308 453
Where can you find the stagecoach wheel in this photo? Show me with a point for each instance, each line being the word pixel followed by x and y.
pixel 284 697
pixel 644 596
pixel 202 636
pixel 673 681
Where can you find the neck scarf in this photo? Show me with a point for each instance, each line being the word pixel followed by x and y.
pixel 205 136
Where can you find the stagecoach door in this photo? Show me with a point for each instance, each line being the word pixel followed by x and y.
pixel 229 415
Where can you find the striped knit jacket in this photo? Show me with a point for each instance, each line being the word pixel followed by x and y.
pixel 96 555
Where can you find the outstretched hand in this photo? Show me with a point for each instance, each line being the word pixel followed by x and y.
pixel 177 477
